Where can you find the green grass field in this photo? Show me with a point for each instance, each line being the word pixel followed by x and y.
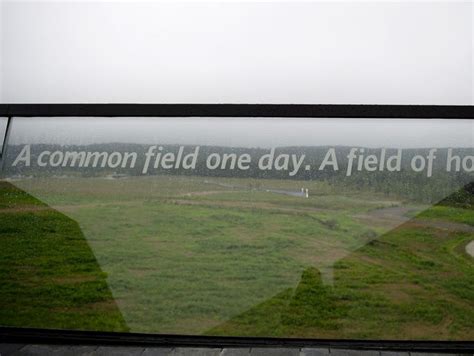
pixel 49 275
pixel 227 257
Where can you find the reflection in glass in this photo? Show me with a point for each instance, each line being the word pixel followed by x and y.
pixel 249 251
pixel 3 129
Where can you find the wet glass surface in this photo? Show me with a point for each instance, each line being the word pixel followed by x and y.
pixel 313 228
pixel 3 128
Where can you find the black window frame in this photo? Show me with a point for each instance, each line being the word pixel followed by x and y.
pixel 31 335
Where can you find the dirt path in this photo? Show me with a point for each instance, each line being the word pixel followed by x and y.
pixel 395 216
pixel 244 205
pixel 389 217
pixel 208 192
pixel 443 225
pixel 25 209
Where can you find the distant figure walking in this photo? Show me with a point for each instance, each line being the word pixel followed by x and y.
pixel 307 193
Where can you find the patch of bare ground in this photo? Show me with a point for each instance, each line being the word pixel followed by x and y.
pixel 24 209
pixel 320 253
pixel 107 305
pixel 73 207
pixel 408 331
pixel 396 216
pixel 397 212
pixel 74 279
pixel 243 205
pixel 443 225
pixel 139 273
pixel 209 192
pixel 400 292
pixel 417 330
pixel 374 261
pixel 371 260
pixel 387 217
pixel 312 332
pixel 192 326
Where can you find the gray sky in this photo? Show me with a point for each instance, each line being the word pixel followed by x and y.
pixel 375 52
pixel 246 132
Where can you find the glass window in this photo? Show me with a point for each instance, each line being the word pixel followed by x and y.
pixel 308 228
pixel 3 129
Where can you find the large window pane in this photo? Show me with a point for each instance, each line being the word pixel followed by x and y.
pixel 313 228
pixel 3 128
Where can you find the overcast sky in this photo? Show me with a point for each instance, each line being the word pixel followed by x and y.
pixel 375 52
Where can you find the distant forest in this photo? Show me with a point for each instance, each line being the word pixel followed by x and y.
pixel 405 183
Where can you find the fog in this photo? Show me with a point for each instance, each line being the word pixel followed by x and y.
pixel 246 132
pixel 374 52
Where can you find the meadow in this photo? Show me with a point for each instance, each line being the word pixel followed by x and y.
pixel 233 256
